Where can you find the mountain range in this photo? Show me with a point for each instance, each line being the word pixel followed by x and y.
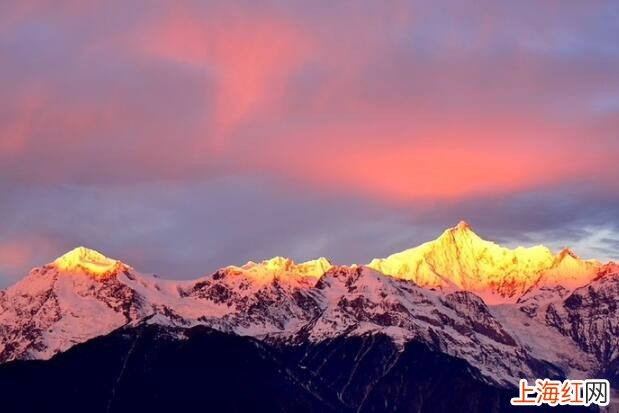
pixel 453 323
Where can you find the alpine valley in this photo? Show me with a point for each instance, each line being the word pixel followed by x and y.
pixel 448 326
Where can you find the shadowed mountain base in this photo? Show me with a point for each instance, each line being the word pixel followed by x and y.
pixel 148 369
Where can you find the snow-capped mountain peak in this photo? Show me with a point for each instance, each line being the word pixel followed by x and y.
pixel 459 259
pixel 88 261
pixel 463 225
pixel 80 295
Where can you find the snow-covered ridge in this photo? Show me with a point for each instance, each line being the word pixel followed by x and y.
pixel 429 294
pixel 460 260
pixel 284 269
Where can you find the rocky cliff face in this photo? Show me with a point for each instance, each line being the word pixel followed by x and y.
pixel 590 317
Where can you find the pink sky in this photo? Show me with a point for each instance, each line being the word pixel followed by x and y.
pixel 412 115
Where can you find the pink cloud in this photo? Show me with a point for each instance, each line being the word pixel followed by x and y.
pixel 370 100
pixel 247 54
pixel 24 251
pixel 14 255
pixel 420 161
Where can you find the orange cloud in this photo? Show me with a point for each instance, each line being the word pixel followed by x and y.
pixel 410 161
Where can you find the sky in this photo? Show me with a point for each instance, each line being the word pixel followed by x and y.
pixel 184 136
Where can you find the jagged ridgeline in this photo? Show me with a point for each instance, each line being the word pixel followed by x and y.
pixel 489 314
